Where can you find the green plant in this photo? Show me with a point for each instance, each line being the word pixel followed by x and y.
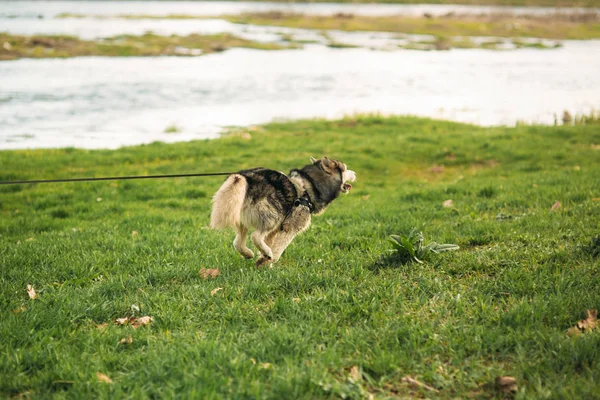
pixel 412 246
pixel 172 129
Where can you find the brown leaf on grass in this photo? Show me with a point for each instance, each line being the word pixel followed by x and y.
pixel 134 322
pixel 507 384
pixel 214 291
pixel 596 199
pixel 102 326
pixel 355 374
pixel 585 325
pixel 573 331
pixel 126 340
pixel 414 382
pixel 207 273
pixel 447 203
pixel 437 169
pixel 141 321
pixel 590 323
pixel 556 206
pixel 31 292
pixel 103 378
pixel 19 310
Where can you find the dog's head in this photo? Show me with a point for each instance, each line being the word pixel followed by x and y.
pixel 337 170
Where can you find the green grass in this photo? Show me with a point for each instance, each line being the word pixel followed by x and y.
pixel 149 44
pixel 500 305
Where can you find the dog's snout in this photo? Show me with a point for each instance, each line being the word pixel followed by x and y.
pixel 349 176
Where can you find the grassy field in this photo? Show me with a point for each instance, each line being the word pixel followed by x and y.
pixel 337 317
pixel 44 46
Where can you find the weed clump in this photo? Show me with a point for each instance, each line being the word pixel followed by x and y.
pixel 594 247
pixel 411 247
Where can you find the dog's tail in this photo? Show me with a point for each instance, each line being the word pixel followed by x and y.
pixel 228 203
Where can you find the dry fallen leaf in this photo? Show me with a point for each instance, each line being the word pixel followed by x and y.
pixel 31 292
pixel 103 378
pixel 127 340
pixel 437 169
pixel 556 206
pixel 585 325
pixel 355 374
pixel 214 291
pixel 591 322
pixel 207 273
pixel 19 310
pixel 102 326
pixel 596 199
pixel 141 321
pixel 414 382
pixel 134 322
pixel 447 203
pixel 507 384
pixel 573 331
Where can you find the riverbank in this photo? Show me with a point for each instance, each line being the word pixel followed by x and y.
pixel 492 25
pixel 552 26
pixel 59 46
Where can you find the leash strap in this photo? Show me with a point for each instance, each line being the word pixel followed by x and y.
pixel 112 178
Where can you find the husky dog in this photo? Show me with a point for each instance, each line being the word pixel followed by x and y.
pixel 277 207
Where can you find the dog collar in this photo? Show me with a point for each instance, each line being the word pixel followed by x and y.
pixel 304 200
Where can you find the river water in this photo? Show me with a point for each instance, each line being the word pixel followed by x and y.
pixel 100 102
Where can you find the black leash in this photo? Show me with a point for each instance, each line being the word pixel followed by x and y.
pixel 113 178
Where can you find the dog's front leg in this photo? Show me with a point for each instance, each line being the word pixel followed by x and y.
pixel 258 238
pixel 297 222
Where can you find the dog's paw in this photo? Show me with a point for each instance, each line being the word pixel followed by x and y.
pixel 248 255
pixel 263 261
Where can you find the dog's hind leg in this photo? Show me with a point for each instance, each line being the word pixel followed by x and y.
pixel 258 238
pixel 239 242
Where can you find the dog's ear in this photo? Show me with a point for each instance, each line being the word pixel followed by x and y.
pixel 312 160
pixel 327 165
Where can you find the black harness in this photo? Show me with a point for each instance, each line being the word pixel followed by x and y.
pixel 305 201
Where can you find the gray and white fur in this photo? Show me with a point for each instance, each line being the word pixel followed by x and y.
pixel 276 207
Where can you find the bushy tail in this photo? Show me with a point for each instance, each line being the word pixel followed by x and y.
pixel 228 202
